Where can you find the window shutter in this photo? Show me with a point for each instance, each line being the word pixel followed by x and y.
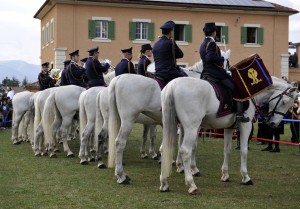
pixel 111 30
pixel 132 30
pixel 188 33
pixel 225 33
pixel 92 29
pixel 260 35
pixel 243 35
pixel 151 31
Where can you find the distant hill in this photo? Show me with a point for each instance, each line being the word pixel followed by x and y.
pixel 19 69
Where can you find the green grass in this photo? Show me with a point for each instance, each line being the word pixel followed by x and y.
pixel 40 182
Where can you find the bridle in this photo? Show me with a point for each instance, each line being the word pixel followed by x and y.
pixel 280 96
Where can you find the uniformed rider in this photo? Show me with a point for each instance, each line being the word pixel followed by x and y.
pixel 145 54
pixel 63 78
pixel 45 81
pixel 75 71
pixel 94 69
pixel 125 65
pixel 213 64
pixel 165 52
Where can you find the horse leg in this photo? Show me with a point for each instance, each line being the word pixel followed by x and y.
pixel 245 129
pixel 194 169
pixel 152 139
pixel 85 137
pixel 121 140
pixel 179 163
pixel 143 147
pixel 37 140
pixel 185 150
pixel 227 151
pixel 67 121
pixel 15 127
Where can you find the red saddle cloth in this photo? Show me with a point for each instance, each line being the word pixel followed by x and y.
pixel 250 77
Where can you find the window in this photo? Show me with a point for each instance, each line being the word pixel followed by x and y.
pixel 141 30
pixel 182 31
pixel 43 36
pixel 52 30
pixel 101 29
pixel 222 34
pixel 252 34
pixel 47 34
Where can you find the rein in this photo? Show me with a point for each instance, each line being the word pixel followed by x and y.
pixel 280 96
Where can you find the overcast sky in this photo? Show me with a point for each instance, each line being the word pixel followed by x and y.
pixel 20 32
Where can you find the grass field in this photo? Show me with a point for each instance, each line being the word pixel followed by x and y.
pixel 40 182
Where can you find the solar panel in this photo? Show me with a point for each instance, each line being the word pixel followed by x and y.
pixel 245 3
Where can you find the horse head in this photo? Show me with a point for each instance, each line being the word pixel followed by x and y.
pixel 280 103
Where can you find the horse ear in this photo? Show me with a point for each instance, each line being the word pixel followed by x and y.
pixel 291 90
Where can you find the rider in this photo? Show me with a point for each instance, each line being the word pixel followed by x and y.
pixel 45 81
pixel 94 69
pixel 125 65
pixel 213 64
pixel 75 72
pixel 165 52
pixel 145 54
pixel 63 78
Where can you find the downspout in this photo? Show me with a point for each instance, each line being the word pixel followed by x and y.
pixel 274 46
pixel 74 24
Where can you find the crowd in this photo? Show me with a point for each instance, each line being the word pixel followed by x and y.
pixel 6 96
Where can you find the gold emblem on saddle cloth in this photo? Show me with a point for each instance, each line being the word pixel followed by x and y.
pixel 252 73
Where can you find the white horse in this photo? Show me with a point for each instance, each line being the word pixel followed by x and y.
pixel 177 107
pixel 130 95
pixel 22 103
pixel 60 108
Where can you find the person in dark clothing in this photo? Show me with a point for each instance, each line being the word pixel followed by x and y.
pixel 45 81
pixel 213 69
pixel 294 126
pixel 75 72
pixel 63 78
pixel 94 69
pixel 125 65
pixel 165 53
pixel 146 53
pixel 4 111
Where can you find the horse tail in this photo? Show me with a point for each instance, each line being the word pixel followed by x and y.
pixel 98 123
pixel 37 118
pixel 82 113
pixel 169 131
pixel 31 130
pixel 114 123
pixel 49 112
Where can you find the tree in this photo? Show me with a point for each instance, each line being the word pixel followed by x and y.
pixel 25 81
pixel 10 82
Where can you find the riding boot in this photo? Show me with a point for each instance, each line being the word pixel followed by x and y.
pixel 240 113
pixel 276 148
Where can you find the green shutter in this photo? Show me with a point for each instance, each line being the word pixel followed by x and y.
pixel 225 33
pixel 151 31
pixel 243 35
pixel 92 29
pixel 132 30
pixel 260 36
pixel 111 30
pixel 188 33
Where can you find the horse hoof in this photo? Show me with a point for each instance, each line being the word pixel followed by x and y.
pixel 92 160
pixel 195 192
pixel 44 153
pixel 16 142
pixel 250 182
pixel 127 178
pixel 226 180
pixel 57 151
pixel 197 174
pixel 53 156
pixel 145 157
pixel 37 155
pixel 126 181
pixel 174 163
pixel 166 190
pixel 102 166
pixel 84 162
pixel 70 155
pixel 156 158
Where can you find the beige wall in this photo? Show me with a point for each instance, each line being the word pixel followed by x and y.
pixel 71 29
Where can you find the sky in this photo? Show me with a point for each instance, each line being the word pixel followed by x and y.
pixel 20 32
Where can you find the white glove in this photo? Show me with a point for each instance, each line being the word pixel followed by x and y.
pixel 229 72
pixel 228 53
pixel 108 61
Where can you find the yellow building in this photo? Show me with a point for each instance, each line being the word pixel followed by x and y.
pixel 247 27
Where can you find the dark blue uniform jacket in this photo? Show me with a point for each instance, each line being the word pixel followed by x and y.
pixel 45 81
pixel 142 65
pixel 125 66
pixel 212 60
pixel 76 74
pixel 94 72
pixel 165 66
pixel 63 78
